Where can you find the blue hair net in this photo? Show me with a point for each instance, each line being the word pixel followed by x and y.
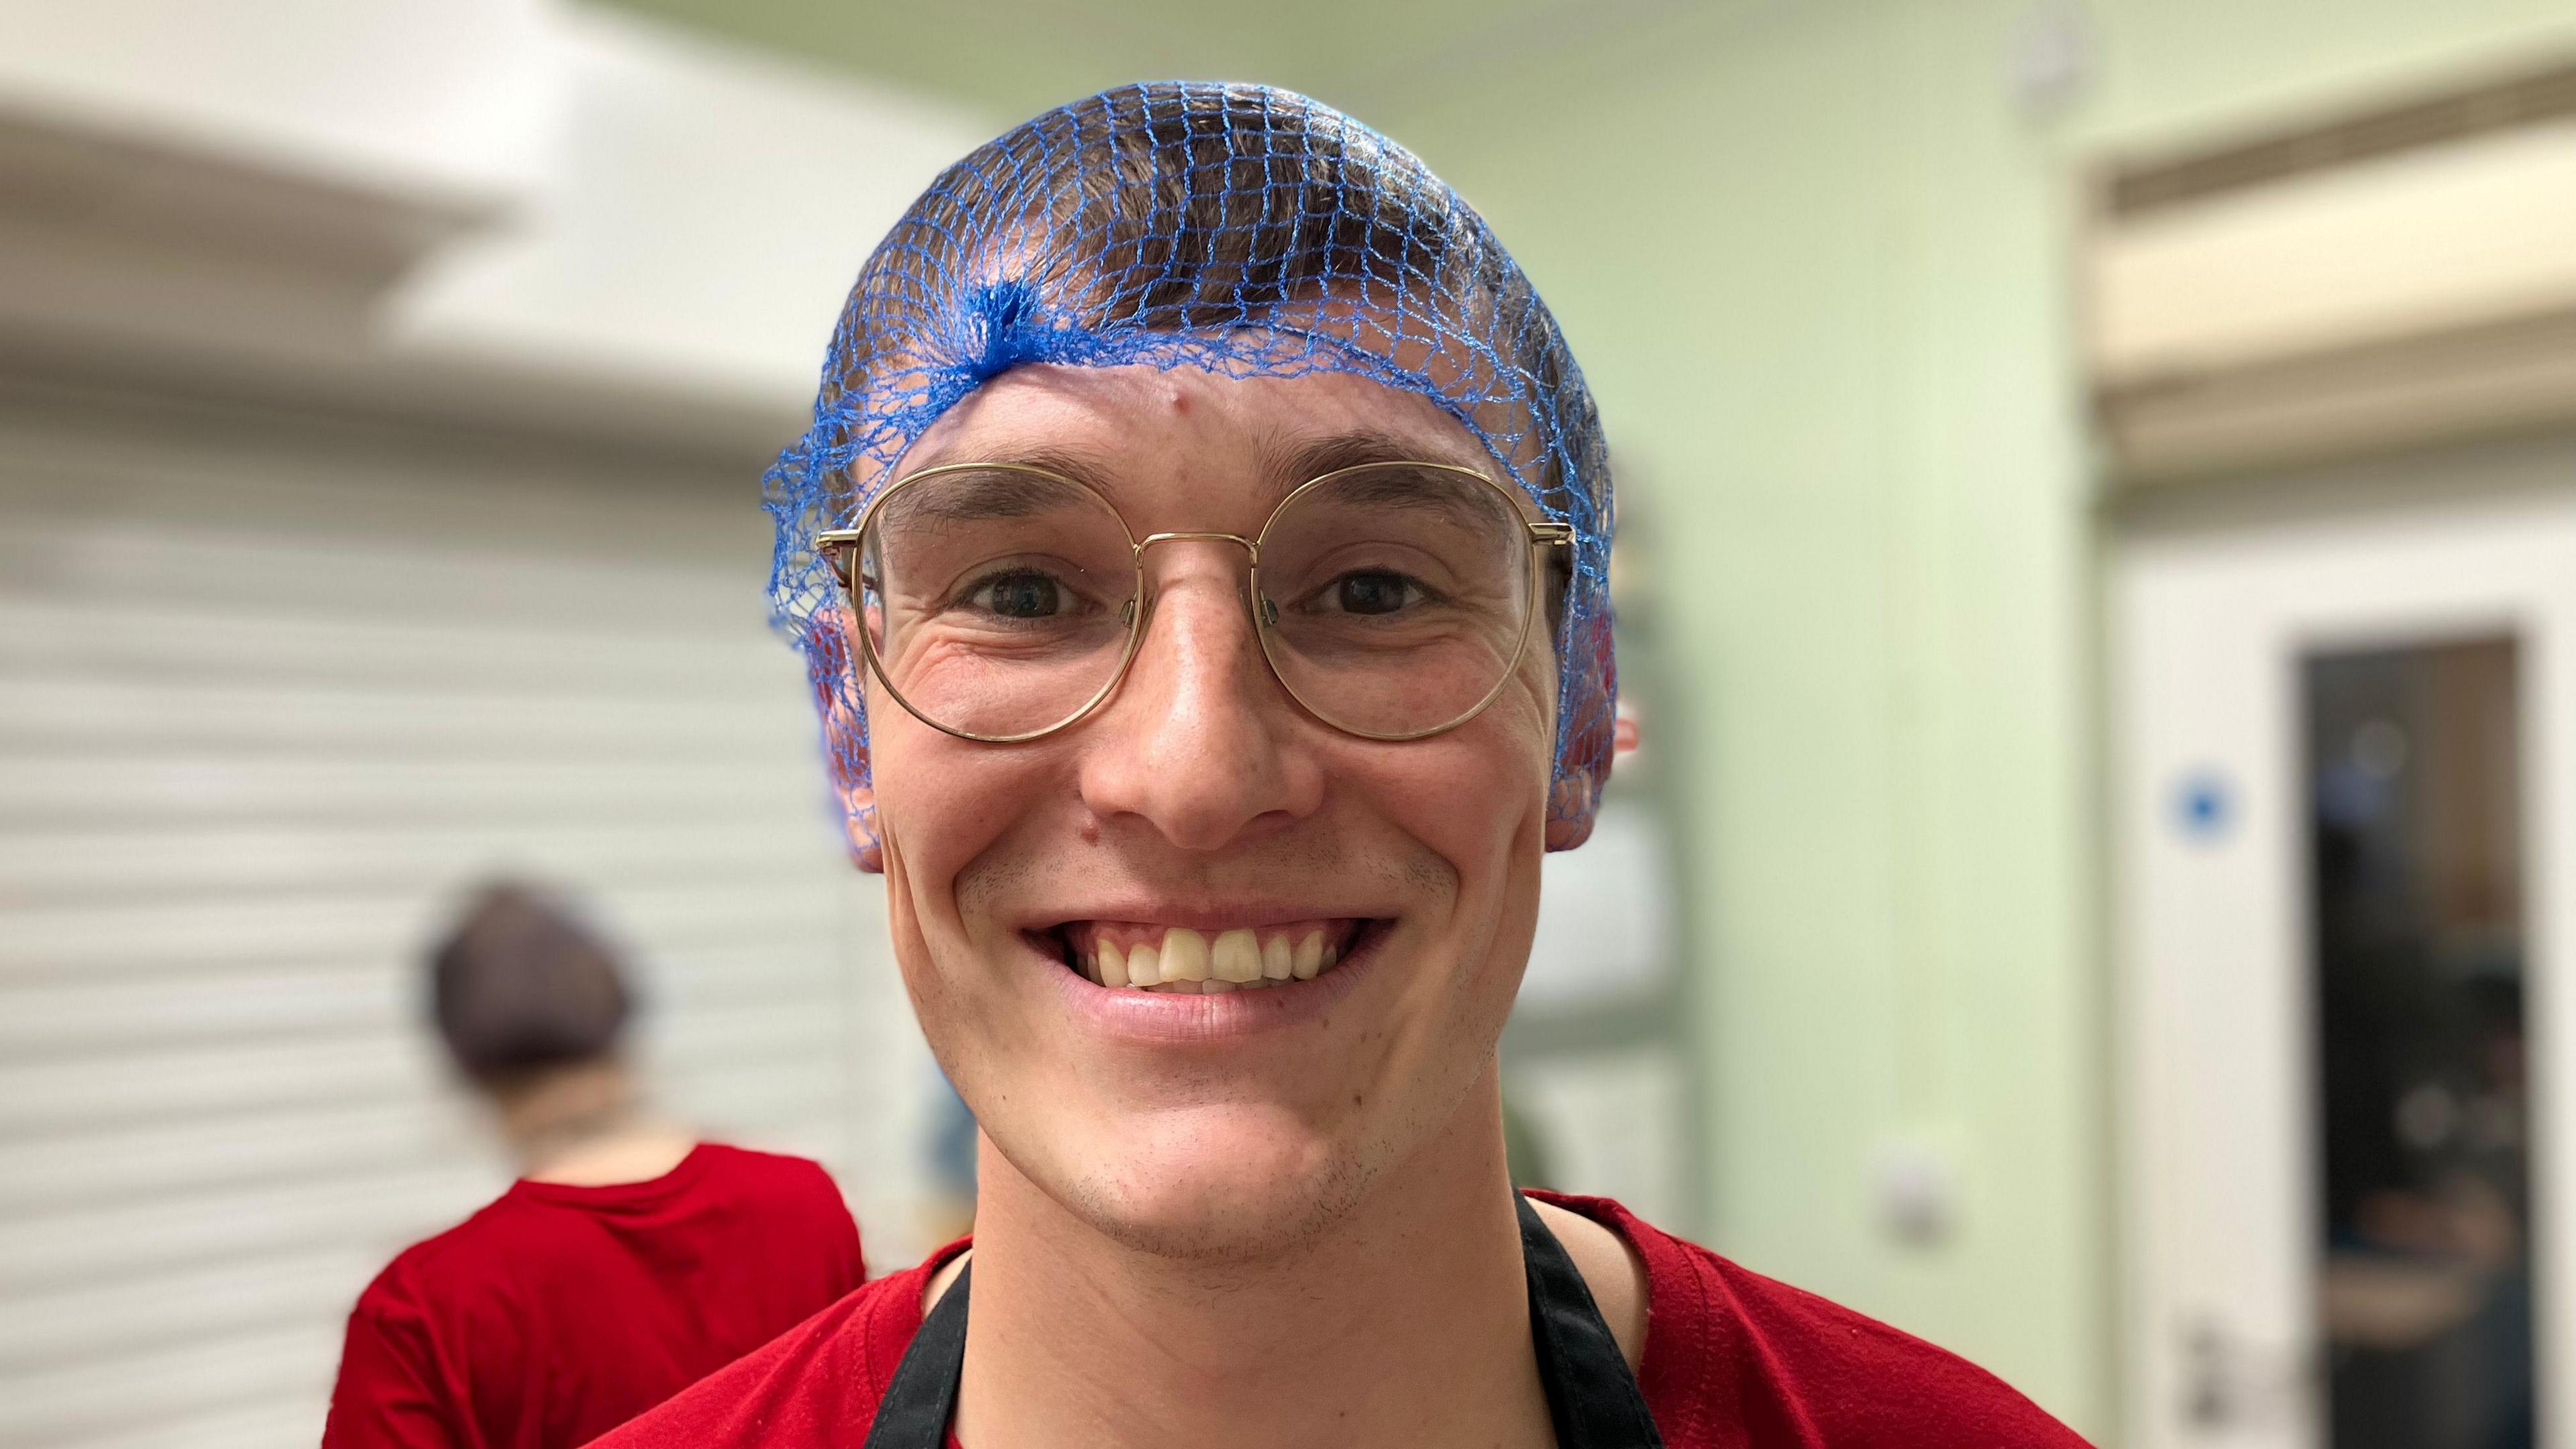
pixel 1237 229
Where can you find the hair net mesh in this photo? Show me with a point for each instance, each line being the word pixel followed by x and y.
pixel 1237 229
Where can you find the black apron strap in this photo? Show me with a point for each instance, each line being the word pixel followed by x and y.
pixel 1591 1395
pixel 1592 1399
pixel 915 1411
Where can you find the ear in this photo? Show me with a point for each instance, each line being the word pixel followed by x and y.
pixel 859 816
pixel 1570 806
pixel 832 671
pixel 1600 733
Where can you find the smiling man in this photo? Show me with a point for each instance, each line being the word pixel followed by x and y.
pixel 1200 550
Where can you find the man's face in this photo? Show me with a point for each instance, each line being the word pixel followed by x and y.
pixel 1201 799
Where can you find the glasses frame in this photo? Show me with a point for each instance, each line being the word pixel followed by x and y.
pixel 843 544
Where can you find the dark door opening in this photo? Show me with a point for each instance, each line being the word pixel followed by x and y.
pixel 2414 772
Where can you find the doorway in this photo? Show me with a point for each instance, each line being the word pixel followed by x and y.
pixel 2344 726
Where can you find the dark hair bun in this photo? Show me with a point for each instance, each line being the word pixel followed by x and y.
pixel 520 985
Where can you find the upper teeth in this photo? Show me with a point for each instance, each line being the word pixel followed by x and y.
pixel 1185 960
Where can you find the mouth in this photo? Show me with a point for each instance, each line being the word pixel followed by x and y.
pixel 1180 960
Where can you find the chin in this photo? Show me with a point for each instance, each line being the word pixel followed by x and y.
pixel 1216 1183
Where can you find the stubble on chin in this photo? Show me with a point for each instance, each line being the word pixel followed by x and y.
pixel 1219 1233
pixel 1227 1227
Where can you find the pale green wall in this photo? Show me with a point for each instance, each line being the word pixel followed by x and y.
pixel 1815 262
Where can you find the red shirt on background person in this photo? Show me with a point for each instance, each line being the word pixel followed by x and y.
pixel 559 1312
pixel 628 1262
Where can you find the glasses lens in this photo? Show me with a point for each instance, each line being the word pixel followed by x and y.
pixel 997 600
pixel 1395 596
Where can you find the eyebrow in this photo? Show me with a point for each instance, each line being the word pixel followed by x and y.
pixel 998 493
pixel 994 493
pixel 1288 466
pixel 1093 470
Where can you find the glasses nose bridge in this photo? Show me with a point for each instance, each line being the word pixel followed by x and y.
pixel 1251 553
pixel 1250 547
pixel 1152 594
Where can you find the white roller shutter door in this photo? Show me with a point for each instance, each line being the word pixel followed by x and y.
pixel 272 689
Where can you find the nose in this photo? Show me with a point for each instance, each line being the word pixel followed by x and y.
pixel 1200 743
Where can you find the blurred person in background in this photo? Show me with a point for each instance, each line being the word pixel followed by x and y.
pixel 1217 644
pixel 629 1259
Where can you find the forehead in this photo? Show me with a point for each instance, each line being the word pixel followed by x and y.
pixel 1139 429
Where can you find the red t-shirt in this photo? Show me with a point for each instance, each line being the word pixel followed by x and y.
pixel 558 1313
pixel 1732 1359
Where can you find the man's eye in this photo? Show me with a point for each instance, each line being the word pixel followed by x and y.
pixel 1374 591
pixel 1022 594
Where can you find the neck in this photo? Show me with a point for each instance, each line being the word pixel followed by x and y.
pixel 1407 1324
pixel 585 1125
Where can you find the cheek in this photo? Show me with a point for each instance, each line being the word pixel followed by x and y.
pixel 1494 818
pixel 942 805
pixel 1512 745
pixel 1525 715
pixel 941 802
pixel 1476 796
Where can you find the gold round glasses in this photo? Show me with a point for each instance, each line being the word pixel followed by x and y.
pixel 1000 602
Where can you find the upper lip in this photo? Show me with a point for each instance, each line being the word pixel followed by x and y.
pixel 1203 917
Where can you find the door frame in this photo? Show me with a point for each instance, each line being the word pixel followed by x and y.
pixel 2212 602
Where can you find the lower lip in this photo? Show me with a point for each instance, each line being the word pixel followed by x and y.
pixel 1181 1018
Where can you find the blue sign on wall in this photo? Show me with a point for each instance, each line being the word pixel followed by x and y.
pixel 2204 805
